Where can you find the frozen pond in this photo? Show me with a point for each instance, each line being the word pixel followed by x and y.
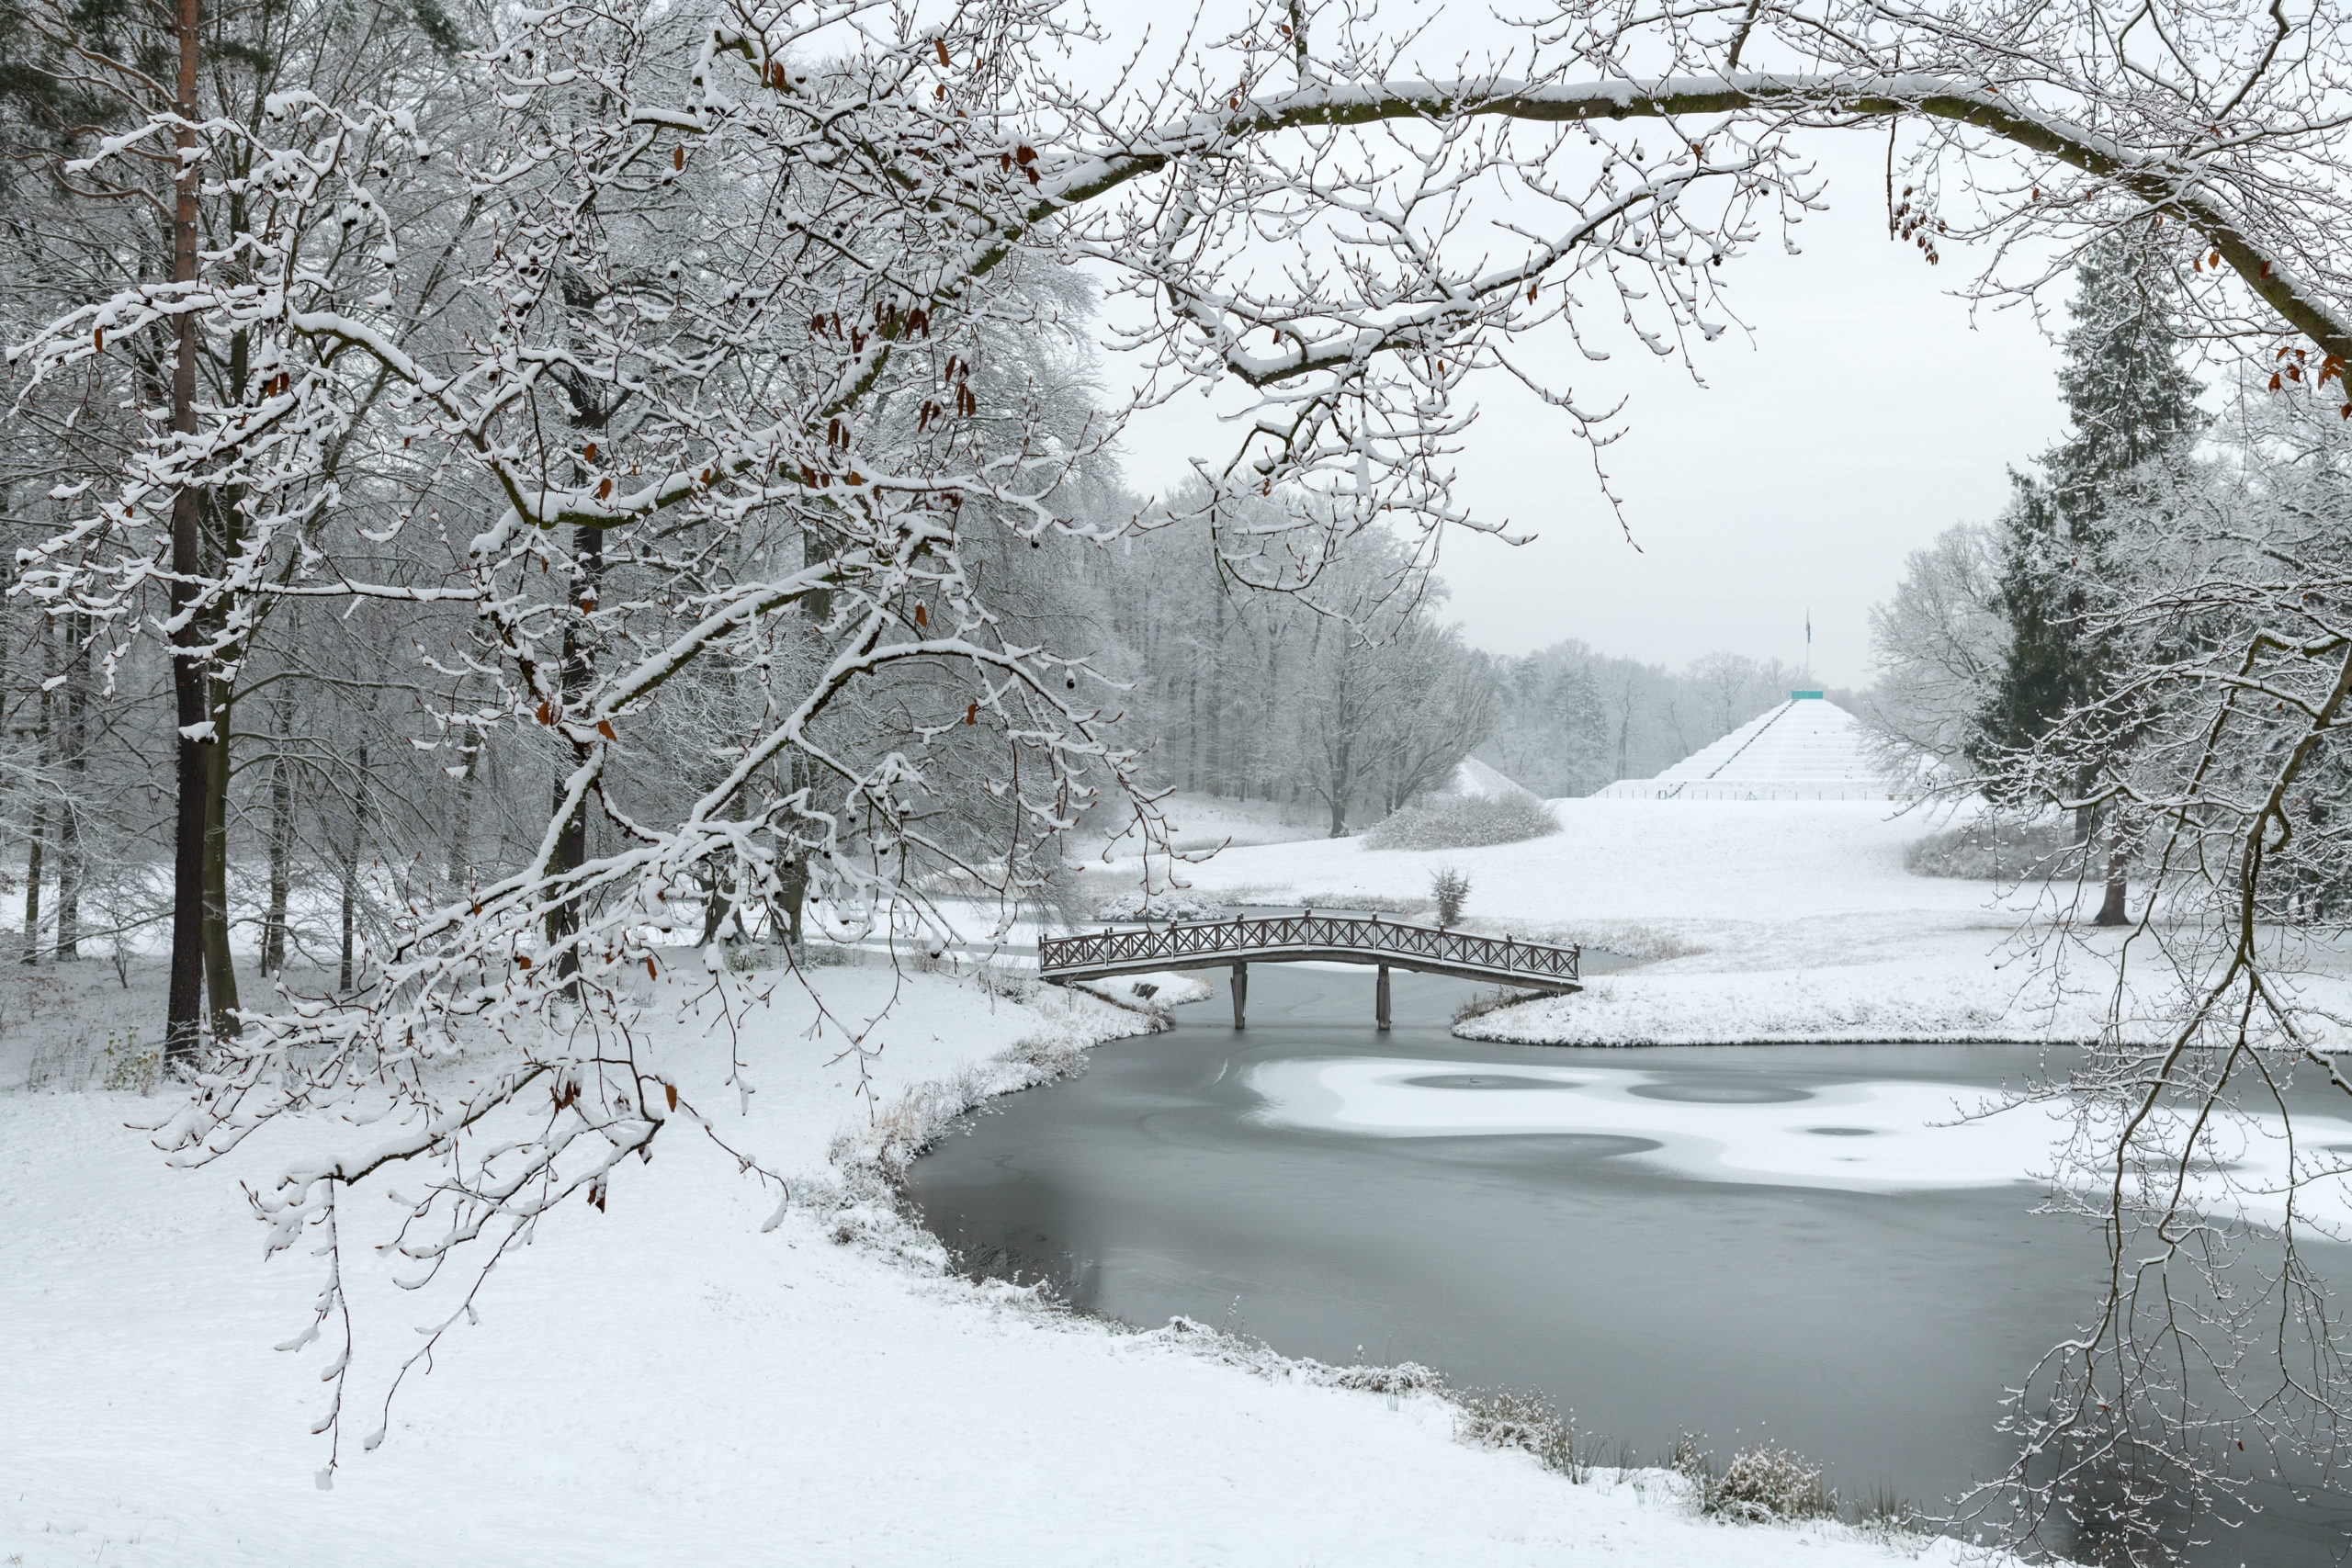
pixel 1813 1244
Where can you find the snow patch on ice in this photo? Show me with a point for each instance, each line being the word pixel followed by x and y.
pixel 1878 1136
pixel 1756 1126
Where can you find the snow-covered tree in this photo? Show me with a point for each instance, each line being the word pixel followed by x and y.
pixel 2133 416
pixel 1551 733
pixel 650 354
pixel 1939 647
pixel 2229 670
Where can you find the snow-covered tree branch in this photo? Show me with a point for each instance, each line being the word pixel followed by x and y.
pixel 684 389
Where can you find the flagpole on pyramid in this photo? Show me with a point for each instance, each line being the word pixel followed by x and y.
pixel 1808 645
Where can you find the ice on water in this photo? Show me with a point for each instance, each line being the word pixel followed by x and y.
pixel 1740 1125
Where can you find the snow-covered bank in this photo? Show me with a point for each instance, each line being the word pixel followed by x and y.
pixel 1768 921
pixel 1963 1000
pixel 661 1382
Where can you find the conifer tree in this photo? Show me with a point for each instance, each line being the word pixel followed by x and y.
pixel 2129 404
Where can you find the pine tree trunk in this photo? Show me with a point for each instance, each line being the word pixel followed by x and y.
pixel 281 859
pixel 183 1020
pixel 70 859
pixel 69 817
pixel 220 968
pixel 351 871
pixel 33 856
pixel 350 892
pixel 33 884
pixel 68 882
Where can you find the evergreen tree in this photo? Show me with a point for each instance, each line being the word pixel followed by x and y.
pixel 2129 404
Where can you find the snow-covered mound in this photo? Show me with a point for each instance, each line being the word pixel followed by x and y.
pixel 1806 749
pixel 1472 780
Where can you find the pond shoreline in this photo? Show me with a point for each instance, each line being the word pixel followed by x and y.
pixel 1496 1251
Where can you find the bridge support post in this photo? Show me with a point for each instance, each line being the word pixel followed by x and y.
pixel 1240 995
pixel 1380 999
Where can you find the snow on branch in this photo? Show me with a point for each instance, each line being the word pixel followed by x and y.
pixel 703 358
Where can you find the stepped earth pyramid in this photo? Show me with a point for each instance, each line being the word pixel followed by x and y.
pixel 1806 749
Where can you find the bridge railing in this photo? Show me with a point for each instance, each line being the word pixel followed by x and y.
pixel 1243 937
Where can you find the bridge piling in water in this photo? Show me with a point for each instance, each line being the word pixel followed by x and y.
pixel 1240 995
pixel 1380 999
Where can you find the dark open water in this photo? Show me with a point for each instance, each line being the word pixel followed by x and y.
pixel 1870 1330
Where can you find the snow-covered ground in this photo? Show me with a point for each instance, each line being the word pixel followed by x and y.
pixel 1760 922
pixel 662 1383
pixel 666 1383
pixel 1198 822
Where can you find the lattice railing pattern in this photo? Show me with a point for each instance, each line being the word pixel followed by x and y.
pixel 1245 938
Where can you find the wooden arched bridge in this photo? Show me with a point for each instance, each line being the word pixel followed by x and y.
pixel 1304 937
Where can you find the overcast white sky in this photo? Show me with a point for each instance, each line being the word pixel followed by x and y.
pixel 1869 412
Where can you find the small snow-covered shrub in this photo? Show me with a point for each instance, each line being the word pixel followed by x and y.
pixel 1052 1057
pixel 1403 1379
pixel 1129 905
pixel 1528 1422
pixel 1886 1513
pixel 129 1067
pixel 1461 822
pixel 1767 1482
pixel 1450 888
pixel 1992 849
pixel 912 1122
pixel 72 1063
pixel 1012 985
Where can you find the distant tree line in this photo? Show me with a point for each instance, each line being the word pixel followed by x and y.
pixel 1573 720
pixel 1350 699
pixel 1344 698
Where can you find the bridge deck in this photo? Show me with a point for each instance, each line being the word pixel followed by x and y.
pixel 1296 939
